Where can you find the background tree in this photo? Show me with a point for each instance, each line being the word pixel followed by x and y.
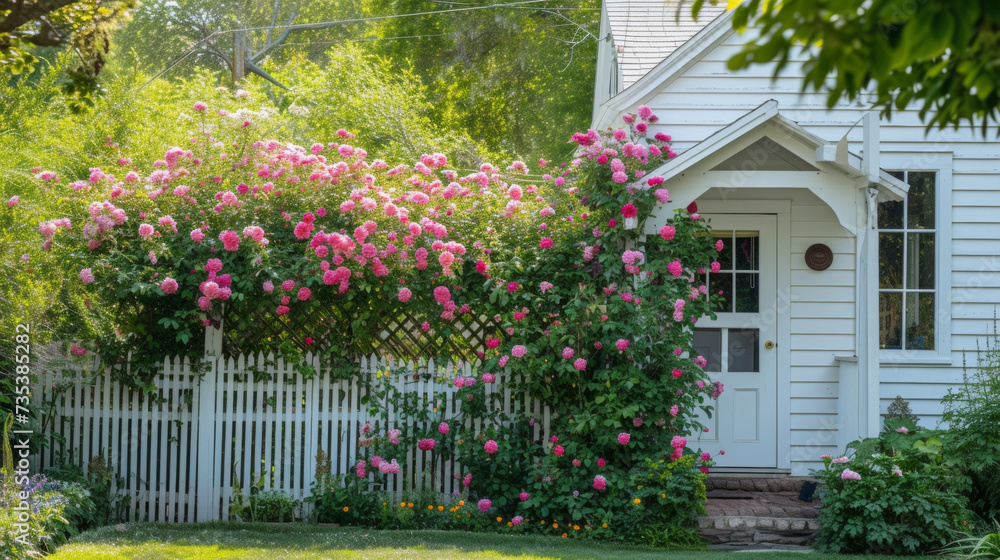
pixel 82 27
pixel 940 53
pixel 517 78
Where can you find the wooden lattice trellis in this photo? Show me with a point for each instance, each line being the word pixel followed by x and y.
pixel 392 332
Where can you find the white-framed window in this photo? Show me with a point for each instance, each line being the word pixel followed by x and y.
pixel 914 262
pixel 907 286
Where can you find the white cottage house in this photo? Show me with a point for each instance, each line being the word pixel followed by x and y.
pixel 862 256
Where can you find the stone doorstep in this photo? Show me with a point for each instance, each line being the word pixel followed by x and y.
pixel 756 483
pixel 743 522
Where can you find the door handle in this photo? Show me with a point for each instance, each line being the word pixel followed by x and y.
pixel 769 345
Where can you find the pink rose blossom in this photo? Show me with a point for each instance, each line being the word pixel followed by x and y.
pixel 169 286
pixel 485 504
pixel 518 351
pixel 559 450
pixel 848 474
pixel 524 496
pixel 580 364
pixel 86 276
pixel 600 483
pixel 426 444
pixel 491 447
pixel 443 427
pixel 622 344
pixel 404 295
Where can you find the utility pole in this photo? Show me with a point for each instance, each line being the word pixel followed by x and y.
pixel 239 56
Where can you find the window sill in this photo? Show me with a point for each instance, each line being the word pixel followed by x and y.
pixel 914 358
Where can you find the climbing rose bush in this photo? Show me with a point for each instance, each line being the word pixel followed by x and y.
pixel 589 286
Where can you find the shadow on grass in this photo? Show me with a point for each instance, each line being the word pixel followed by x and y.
pixel 261 540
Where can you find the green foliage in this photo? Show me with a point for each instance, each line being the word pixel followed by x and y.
pixel 518 80
pixel 38 514
pixel 978 547
pixel 269 506
pixel 83 28
pixel 899 408
pixel 934 52
pixel 973 416
pixel 896 495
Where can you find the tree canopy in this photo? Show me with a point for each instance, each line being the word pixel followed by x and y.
pixel 941 54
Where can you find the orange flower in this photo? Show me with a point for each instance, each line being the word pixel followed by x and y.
pixel 430 508
pixel 440 508
pixel 605 525
pixel 636 501
pixel 346 509
pixel 555 525
pixel 402 504
pixel 564 535
pixel 576 527
pixel 499 519
pixel 409 505
pixel 461 503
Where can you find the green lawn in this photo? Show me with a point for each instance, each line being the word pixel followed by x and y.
pixel 210 541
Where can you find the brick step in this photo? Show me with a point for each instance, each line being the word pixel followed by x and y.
pixel 757 484
pixel 756 532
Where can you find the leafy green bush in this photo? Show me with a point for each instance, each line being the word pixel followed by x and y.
pixel 973 440
pixel 38 514
pixel 895 496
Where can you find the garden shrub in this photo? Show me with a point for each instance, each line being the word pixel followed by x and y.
pixel 895 495
pixel 38 514
pixel 973 438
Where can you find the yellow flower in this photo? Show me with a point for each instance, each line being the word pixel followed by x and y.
pixel 605 525
pixel 499 519
pixel 440 508
pixel 430 508
pixel 509 524
pixel 636 501
pixel 555 525
pixel 346 509
pixel 402 504
pixel 663 495
pixel 461 503
pixel 576 527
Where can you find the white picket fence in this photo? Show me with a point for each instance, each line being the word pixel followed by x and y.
pixel 178 453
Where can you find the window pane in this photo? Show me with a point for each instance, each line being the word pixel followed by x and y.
pixel 708 343
pixel 726 255
pixel 920 260
pixel 747 250
pixel 919 321
pixel 747 290
pixel 890 260
pixel 920 200
pixel 743 350
pixel 720 286
pixel 890 320
pixel 890 215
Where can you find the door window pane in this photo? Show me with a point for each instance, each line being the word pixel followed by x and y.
pixel 720 286
pixel 743 345
pixel 890 215
pixel 708 343
pixel 747 293
pixel 746 250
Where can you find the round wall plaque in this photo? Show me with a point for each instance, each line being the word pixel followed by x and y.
pixel 819 257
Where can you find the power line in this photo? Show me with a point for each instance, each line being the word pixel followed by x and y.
pixel 322 24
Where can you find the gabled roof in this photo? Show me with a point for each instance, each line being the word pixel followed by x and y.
pixel 647 31
pixel 889 187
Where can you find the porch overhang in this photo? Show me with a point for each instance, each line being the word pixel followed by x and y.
pixel 835 175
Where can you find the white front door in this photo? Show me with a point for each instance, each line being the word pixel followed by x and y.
pixel 739 344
